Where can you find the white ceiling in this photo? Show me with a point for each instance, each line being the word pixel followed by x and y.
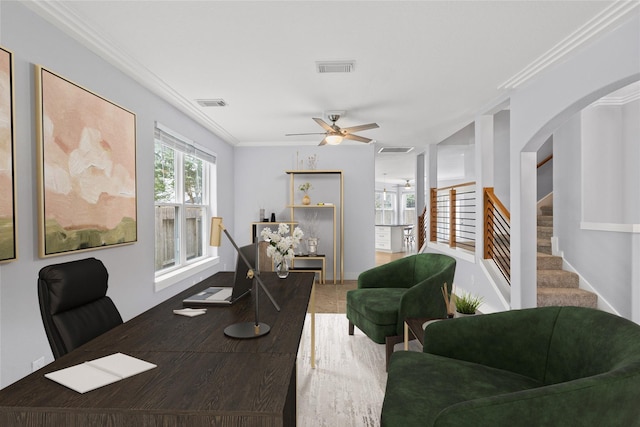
pixel 423 69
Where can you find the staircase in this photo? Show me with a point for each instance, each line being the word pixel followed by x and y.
pixel 555 285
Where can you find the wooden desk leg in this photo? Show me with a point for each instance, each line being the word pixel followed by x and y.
pixel 313 325
pixel 406 337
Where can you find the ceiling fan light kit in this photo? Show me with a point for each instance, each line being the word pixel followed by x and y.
pixel 334 134
pixel 333 139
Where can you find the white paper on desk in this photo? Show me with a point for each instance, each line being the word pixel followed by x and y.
pixel 190 312
pixel 99 372
pixel 121 365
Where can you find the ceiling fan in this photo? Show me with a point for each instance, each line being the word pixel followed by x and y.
pixel 334 134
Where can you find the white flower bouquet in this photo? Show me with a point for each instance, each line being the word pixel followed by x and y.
pixel 281 243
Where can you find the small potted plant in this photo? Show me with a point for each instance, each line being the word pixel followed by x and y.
pixel 305 189
pixel 467 304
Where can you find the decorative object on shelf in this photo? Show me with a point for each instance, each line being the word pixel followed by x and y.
pixel 281 246
pixel 311 229
pixel 262 217
pixel 273 217
pixel 305 188
pixel 312 161
pixel 467 304
pixel 312 246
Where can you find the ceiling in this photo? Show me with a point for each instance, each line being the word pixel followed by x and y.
pixel 422 69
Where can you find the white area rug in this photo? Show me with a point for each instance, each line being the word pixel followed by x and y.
pixel 347 386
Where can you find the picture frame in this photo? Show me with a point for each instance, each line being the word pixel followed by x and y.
pixel 8 211
pixel 86 168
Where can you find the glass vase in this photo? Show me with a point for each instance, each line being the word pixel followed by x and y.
pixel 282 269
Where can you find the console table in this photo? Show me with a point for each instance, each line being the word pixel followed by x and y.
pixel 202 376
pixel 318 269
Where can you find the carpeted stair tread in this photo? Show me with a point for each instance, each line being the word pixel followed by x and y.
pixel 566 297
pixel 547 210
pixel 545 232
pixel 545 220
pixel 555 285
pixel 544 246
pixel 557 279
pixel 548 262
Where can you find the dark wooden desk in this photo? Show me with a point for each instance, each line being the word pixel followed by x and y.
pixel 203 378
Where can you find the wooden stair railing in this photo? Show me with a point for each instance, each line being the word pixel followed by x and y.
pixel 422 227
pixel 452 216
pixel 497 233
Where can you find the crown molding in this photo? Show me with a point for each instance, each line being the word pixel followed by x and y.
pixel 610 16
pixel 616 101
pixel 61 16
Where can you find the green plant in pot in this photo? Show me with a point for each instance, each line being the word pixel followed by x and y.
pixel 467 304
pixel 305 189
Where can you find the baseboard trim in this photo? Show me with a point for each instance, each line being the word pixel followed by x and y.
pixel 603 304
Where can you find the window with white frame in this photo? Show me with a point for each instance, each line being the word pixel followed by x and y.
pixel 184 200
pixel 408 207
pixel 385 207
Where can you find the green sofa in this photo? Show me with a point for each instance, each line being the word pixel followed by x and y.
pixel 550 366
pixel 388 294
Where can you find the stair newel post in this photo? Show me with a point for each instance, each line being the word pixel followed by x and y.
pixel 488 223
pixel 433 219
pixel 452 218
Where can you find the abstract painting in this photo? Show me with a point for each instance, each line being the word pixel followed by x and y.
pixel 87 168
pixel 8 245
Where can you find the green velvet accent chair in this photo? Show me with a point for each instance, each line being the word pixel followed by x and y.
pixel 388 294
pixel 549 366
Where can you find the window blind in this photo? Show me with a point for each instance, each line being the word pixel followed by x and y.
pixel 176 141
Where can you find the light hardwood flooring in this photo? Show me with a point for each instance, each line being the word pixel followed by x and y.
pixel 331 298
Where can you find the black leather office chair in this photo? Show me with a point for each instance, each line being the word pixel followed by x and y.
pixel 74 305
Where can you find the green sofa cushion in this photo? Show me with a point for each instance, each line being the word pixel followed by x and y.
pixel 588 343
pixel 583 366
pixel 446 382
pixel 488 342
pixel 375 311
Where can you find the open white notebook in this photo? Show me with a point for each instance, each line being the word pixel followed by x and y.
pixel 96 373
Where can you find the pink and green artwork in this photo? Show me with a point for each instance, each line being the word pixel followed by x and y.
pixel 87 157
pixel 8 249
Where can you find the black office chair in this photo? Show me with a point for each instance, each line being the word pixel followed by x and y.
pixel 74 305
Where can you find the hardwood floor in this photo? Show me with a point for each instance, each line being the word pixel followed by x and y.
pixel 331 298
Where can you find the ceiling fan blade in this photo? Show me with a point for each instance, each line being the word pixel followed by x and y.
pixel 360 127
pixel 356 138
pixel 297 134
pixel 324 124
pixel 323 142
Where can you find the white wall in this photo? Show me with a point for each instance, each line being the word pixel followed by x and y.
pixel 539 108
pixel 501 150
pixel 261 182
pixel 545 172
pixel 603 157
pixel 631 138
pixel 456 158
pixel 131 267
pixel 603 259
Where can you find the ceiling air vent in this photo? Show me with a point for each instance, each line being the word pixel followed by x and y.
pixel 335 66
pixel 395 150
pixel 211 102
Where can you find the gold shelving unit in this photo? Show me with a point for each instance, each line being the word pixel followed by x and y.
pixel 293 207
